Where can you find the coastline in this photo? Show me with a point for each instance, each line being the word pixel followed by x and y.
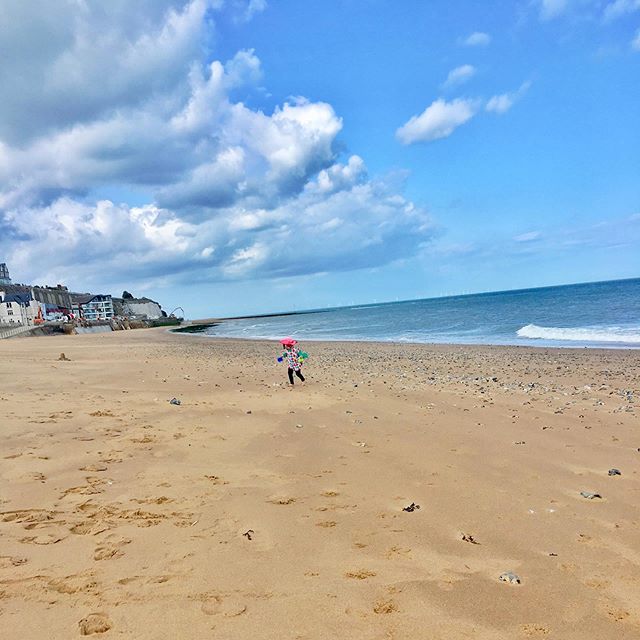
pixel 252 508
pixel 199 327
pixel 587 315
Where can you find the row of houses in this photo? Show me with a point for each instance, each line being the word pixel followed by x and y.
pixel 32 305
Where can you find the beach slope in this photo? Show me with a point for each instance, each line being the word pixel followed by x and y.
pixel 383 499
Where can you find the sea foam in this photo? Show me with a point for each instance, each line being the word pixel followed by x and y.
pixel 582 334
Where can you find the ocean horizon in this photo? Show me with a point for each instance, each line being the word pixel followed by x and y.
pixel 602 314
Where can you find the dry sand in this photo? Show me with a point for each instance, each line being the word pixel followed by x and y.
pixel 257 511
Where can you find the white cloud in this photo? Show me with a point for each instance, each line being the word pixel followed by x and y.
pixel 550 9
pixel 620 8
pixel 500 103
pixel 528 237
pixel 295 142
pixel 73 61
pixel 122 98
pixel 439 120
pixel 477 39
pixel 362 225
pixel 635 43
pixel 459 75
pixel 213 184
pixel 243 69
pixel 503 102
pixel 254 7
pixel 339 176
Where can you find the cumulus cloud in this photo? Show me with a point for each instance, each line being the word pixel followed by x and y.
pixel 501 103
pixel 477 39
pixel 353 224
pixel 71 62
pixel 459 75
pixel 121 96
pixel 550 9
pixel 620 8
pixel 439 120
pixel 339 176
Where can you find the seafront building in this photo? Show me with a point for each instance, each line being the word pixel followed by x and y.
pixel 29 305
pixel 23 304
pixel 18 308
pixel 92 307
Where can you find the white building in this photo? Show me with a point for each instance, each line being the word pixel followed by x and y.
pixel 93 307
pixel 19 308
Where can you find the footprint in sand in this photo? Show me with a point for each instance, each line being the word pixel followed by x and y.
pixel 34 476
pixel 143 440
pixel 89 489
pixel 385 606
pixel 159 500
pixel 107 552
pixel 29 516
pixel 94 623
pixel 111 457
pixel 361 574
pixel 535 630
pixel 11 561
pixel 396 551
pixel 111 548
pixel 93 467
pixel 73 584
pixel 283 500
pixel 216 605
pixel 43 539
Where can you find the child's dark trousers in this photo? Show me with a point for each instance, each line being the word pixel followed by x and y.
pixel 298 373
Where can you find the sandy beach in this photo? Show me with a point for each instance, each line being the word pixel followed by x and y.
pixel 253 510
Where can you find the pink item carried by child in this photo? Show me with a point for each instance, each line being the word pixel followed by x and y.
pixel 288 342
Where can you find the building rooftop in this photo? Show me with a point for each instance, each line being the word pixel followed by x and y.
pixel 20 298
pixel 15 288
pixel 85 298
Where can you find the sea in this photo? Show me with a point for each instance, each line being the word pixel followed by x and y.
pixel 596 315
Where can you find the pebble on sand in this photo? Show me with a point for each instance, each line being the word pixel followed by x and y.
pixel 510 577
pixel 590 495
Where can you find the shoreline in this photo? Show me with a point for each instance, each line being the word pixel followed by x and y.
pixel 585 315
pixel 252 508
pixel 201 333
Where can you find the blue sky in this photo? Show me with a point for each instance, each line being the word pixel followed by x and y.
pixel 248 156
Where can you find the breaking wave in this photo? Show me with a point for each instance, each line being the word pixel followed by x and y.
pixel 582 334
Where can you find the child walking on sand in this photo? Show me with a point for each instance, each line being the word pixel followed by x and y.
pixel 293 358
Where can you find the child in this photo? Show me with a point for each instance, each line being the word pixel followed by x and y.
pixel 293 358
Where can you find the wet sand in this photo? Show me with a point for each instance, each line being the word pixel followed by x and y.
pixel 256 510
